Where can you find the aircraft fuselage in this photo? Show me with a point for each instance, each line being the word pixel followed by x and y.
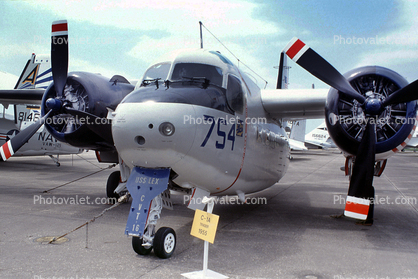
pixel 212 131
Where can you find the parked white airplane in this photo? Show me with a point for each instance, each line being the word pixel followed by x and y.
pixel 297 135
pixel 414 140
pixel 188 126
pixel 22 109
pixel 318 138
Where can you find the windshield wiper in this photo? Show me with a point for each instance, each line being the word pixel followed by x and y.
pixel 147 82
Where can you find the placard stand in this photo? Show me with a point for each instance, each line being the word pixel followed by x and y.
pixel 205 273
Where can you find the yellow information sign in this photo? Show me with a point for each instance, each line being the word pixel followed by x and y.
pixel 204 225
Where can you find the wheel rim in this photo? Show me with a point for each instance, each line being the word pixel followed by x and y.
pixel 169 243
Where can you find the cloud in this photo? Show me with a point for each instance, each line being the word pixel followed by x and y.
pixel 398 48
pixel 7 81
pixel 80 65
pixel 176 17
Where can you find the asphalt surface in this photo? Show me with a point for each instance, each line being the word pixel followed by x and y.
pixel 291 236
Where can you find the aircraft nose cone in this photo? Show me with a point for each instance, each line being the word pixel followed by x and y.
pixel 153 134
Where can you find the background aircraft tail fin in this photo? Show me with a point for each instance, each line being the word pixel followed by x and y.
pixel 283 77
pixel 36 74
pixel 298 130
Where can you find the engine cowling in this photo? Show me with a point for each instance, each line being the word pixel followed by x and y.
pixel 89 93
pixel 346 119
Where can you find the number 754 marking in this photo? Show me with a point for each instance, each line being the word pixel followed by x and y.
pixel 221 128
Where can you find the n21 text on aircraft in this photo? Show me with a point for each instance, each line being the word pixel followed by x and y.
pixel 149 139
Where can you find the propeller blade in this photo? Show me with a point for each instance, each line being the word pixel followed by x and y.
pixel 14 144
pixel 311 61
pixel 361 192
pixel 403 95
pixel 100 126
pixel 59 54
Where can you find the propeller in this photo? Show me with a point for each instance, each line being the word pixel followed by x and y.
pixel 14 144
pixel 311 61
pixel 403 95
pixel 60 104
pixel 59 65
pixel 59 55
pixel 360 195
pixel 93 122
pixel 361 191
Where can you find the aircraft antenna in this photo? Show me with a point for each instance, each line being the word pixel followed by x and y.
pixel 201 37
pixel 239 61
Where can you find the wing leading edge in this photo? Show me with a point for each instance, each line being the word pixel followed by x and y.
pixel 295 103
pixel 21 96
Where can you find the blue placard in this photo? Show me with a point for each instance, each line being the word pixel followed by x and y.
pixel 143 185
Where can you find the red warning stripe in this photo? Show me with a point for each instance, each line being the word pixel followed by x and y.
pixel 60 27
pixel 295 48
pixel 362 209
pixel 6 153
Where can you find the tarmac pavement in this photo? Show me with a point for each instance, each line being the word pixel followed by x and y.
pixel 287 233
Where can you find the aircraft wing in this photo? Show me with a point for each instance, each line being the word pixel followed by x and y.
pixel 295 103
pixel 21 96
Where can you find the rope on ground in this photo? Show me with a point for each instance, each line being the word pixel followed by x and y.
pixel 109 167
pixel 121 200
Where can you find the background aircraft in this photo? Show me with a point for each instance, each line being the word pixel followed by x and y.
pixel 296 134
pixel 370 114
pixel 17 114
pixel 318 138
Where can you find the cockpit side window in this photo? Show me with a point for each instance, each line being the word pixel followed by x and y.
pixel 235 94
pixel 194 70
pixel 158 71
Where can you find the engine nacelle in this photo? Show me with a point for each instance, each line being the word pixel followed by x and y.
pixel 90 93
pixel 346 119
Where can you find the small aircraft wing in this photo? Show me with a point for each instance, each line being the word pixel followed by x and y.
pixel 21 96
pixel 294 103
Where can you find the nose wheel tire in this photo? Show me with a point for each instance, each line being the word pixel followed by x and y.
pixel 164 242
pixel 138 248
pixel 112 184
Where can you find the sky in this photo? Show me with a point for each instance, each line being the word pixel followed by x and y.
pixel 125 37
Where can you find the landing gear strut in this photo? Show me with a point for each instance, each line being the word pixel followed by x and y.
pixel 56 160
pixel 163 241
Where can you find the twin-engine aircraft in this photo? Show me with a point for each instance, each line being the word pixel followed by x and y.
pixel 20 107
pixel 196 124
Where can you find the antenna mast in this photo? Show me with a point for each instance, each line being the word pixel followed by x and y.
pixel 201 37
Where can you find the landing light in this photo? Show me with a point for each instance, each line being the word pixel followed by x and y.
pixel 167 129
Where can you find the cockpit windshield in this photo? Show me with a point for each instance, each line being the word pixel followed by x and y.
pixel 158 71
pixel 194 70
